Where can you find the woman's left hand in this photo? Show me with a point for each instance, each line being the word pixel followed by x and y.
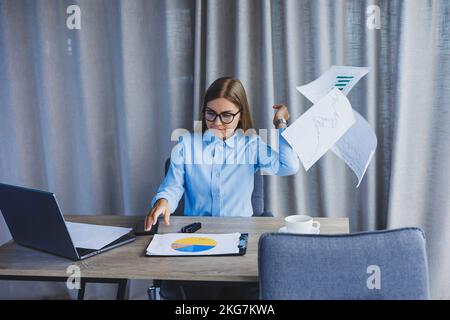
pixel 282 112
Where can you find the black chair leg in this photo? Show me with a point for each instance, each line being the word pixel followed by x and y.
pixel 121 290
pixel 82 289
pixel 152 292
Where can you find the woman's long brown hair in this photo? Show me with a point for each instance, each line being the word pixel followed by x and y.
pixel 232 90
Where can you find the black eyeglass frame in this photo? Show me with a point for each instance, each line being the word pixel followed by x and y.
pixel 219 115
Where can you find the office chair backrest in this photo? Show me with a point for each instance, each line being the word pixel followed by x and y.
pixel 390 264
pixel 257 196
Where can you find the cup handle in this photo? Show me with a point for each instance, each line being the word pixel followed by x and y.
pixel 317 224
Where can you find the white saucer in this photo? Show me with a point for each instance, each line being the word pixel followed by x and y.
pixel 313 231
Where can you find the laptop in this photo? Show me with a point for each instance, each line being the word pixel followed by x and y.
pixel 35 220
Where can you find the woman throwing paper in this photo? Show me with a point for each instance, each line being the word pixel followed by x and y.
pixel 217 179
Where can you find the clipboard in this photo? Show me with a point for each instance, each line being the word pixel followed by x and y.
pixel 243 242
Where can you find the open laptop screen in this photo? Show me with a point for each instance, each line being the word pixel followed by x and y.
pixel 35 220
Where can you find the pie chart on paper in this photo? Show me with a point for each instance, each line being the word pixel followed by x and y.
pixel 193 244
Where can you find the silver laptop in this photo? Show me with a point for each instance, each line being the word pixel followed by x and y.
pixel 35 220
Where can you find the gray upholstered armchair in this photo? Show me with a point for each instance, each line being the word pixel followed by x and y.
pixel 389 264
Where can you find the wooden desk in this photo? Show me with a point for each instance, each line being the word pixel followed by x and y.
pixel 129 262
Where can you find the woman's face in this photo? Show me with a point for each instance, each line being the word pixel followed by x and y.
pixel 227 109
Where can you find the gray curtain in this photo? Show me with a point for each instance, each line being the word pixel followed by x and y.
pixel 88 114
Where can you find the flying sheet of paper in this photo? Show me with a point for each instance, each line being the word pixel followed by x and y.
pixel 318 129
pixel 185 244
pixel 92 236
pixel 342 77
pixel 357 146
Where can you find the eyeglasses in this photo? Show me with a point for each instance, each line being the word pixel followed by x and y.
pixel 225 117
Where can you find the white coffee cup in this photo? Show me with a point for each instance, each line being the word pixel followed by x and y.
pixel 300 223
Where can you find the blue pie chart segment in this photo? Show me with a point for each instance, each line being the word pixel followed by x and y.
pixel 194 248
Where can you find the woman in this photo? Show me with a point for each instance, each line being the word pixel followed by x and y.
pixel 226 186
pixel 218 177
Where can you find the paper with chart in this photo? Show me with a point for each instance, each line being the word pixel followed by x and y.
pixel 342 77
pixel 185 244
pixel 357 146
pixel 318 129
pixel 92 236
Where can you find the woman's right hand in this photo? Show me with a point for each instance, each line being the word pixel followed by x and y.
pixel 160 207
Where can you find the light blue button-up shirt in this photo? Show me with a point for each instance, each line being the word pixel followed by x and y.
pixel 217 176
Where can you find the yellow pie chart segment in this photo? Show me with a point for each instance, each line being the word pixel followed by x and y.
pixel 194 244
